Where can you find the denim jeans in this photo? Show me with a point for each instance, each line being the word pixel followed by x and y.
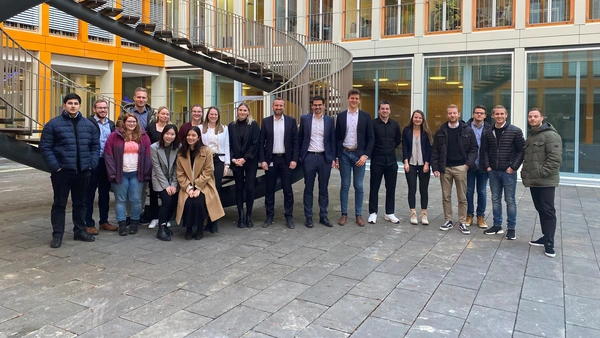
pixel 347 167
pixel 501 181
pixel 479 179
pixel 130 190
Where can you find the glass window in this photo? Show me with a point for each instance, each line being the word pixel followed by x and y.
pixel 224 24
pixel 547 11
pixel 444 15
pixel 593 9
pixel 466 81
pixel 494 13
pixel 320 19
pixel 186 88
pixel 357 18
pixel 399 17
pixel 254 32
pixel 286 15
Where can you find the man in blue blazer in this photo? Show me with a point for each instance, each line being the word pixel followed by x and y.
pixel 316 138
pixel 278 156
pixel 355 139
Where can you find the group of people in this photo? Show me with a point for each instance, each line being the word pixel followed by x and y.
pixel 184 168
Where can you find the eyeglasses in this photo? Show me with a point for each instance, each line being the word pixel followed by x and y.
pixel 479 113
pixel 130 121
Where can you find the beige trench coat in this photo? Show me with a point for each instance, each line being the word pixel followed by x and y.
pixel 200 177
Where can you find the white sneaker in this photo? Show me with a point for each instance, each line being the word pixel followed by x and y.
pixel 392 218
pixel 169 224
pixel 153 224
pixel 424 219
pixel 372 218
pixel 413 218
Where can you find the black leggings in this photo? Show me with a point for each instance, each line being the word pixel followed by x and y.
pixel 411 179
pixel 194 212
pixel 167 207
pixel 244 177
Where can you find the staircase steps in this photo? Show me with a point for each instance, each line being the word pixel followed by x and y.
pixel 145 27
pixel 180 41
pixel 92 4
pixel 110 11
pixel 163 34
pixel 128 19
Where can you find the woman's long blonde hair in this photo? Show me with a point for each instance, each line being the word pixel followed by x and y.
pixel 249 119
pixel 218 125
pixel 161 108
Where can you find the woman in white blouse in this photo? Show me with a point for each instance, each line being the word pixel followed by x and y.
pixel 216 137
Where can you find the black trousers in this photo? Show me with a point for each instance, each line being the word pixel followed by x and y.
pixel 167 207
pixel 416 171
pixel 390 173
pixel 194 212
pixel 316 165
pixel 98 180
pixel 245 178
pixel 63 183
pixel 281 170
pixel 543 199
pixel 219 167
pixel 154 195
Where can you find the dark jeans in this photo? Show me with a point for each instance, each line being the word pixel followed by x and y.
pixel 480 179
pixel 63 183
pixel 414 172
pixel 316 165
pixel 219 167
pixel 280 169
pixel 543 199
pixel 167 207
pixel 244 178
pixel 98 180
pixel 379 171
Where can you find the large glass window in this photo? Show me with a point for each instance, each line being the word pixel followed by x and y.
pixel 549 11
pixel 131 83
pixel 357 19
pixel 186 88
pixel 224 24
pixel 286 15
pixel 466 81
pixel 255 13
pixel 444 15
pixel 593 10
pixel 399 17
pixel 567 90
pixel 493 13
pixel 320 14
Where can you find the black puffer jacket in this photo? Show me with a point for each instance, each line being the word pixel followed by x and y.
pixel 509 153
pixel 466 141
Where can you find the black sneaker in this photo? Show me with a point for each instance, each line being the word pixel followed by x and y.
pixel 539 242
pixel 549 251
pixel 447 226
pixel 495 230
pixel 463 228
pixel 510 234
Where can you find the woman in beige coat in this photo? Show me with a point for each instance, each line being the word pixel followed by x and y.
pixel 198 198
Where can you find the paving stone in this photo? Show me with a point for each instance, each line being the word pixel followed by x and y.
pixel 114 289
pixel 291 319
pixel 235 323
pixel 380 328
pixel 316 331
pixel 253 334
pixel 381 249
pixel 398 265
pixel 476 256
pixel 452 301
pixel 402 306
pixel 340 254
pixel 300 257
pixel 115 328
pixel 179 324
pixel 581 266
pixel 312 272
pixel 328 290
pixel 212 265
pixel 422 280
pixel 466 276
pixel 266 276
pixel 215 282
pixel 377 285
pixel 39 317
pixel 541 319
pixel 7 314
pixel 543 267
pixel 48 297
pixel 348 313
pixel 543 291
pixel 155 311
pixel 430 324
pixel 276 296
pixel 154 290
pixel 499 296
pixel 48 331
pixel 488 322
pixel 255 262
pixel 439 260
pixel 583 286
pixel 357 268
pixel 414 248
pixel 578 250
pixel 506 273
pixel 582 311
pixel 222 301
pixel 362 240
pixel 156 272
pixel 581 332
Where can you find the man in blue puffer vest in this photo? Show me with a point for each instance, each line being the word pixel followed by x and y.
pixel 70 145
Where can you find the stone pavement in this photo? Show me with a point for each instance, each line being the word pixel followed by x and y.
pixel 382 280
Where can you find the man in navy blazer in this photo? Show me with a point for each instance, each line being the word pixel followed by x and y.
pixel 278 156
pixel 355 139
pixel 316 138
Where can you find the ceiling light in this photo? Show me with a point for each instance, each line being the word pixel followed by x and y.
pixel 402 84
pixel 437 78
pixel 357 85
pixel 383 79
pixel 246 87
pixel 452 82
pixel 460 87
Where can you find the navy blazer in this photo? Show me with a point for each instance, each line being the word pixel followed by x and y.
pixel 407 143
pixel 365 134
pixel 328 137
pixel 290 140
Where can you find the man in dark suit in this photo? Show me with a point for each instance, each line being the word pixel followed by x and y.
pixel 354 143
pixel 278 155
pixel 316 139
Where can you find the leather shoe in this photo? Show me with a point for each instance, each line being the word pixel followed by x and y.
pixel 342 220
pixel 91 230
pixel 84 237
pixel 108 227
pixel 56 242
pixel 308 223
pixel 290 223
pixel 249 223
pixel 325 221
pixel 268 222
pixel 360 221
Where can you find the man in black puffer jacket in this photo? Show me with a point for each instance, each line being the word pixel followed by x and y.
pixel 501 155
pixel 70 145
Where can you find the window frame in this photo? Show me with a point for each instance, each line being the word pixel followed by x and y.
pixel 477 29
pixel 570 21
pixel 384 23
pixel 428 32
pixel 588 12
pixel 358 27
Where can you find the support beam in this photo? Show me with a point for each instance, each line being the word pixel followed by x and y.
pixel 11 8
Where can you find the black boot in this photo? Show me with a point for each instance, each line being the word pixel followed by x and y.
pixel 123 228
pixel 188 233
pixel 249 223
pixel 199 232
pixel 133 229
pixel 162 233
pixel 240 222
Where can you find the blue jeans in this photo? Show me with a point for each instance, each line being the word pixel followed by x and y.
pixel 130 190
pixel 482 180
pixel 500 181
pixel 347 167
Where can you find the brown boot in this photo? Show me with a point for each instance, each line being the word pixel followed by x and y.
pixel 91 230
pixel 108 227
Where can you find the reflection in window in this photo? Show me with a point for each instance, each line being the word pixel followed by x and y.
pixel 186 88
pixel 286 15
pixel 357 16
pixel 546 11
pixel 594 9
pixel 320 19
pixel 254 32
pixel 444 15
pixel 399 17
pixel 494 13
